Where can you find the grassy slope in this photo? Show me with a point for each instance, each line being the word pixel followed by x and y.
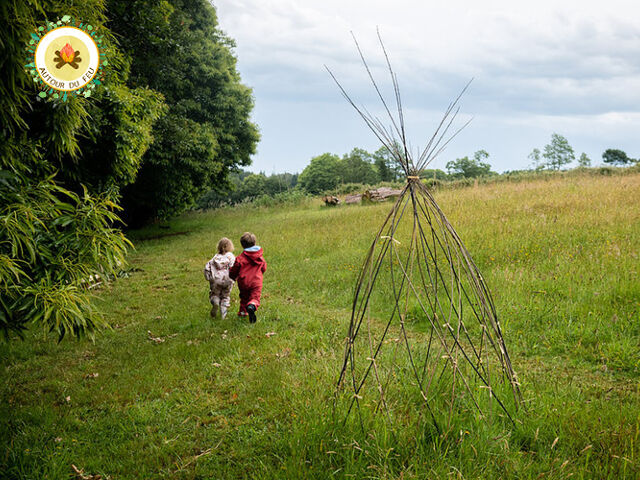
pixel 222 400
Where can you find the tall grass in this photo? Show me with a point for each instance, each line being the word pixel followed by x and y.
pixel 197 398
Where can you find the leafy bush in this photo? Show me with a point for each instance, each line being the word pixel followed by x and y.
pixel 53 245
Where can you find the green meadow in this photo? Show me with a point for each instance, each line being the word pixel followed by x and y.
pixel 168 392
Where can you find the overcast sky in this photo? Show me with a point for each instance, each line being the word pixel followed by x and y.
pixel 564 66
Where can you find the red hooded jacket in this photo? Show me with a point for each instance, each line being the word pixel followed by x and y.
pixel 247 271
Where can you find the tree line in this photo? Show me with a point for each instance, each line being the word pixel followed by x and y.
pixel 328 172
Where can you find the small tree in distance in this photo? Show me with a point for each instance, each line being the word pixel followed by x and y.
pixel 558 153
pixel 584 160
pixel 614 156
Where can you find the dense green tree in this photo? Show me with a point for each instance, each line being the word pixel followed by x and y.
pixel 356 167
pixel 470 168
pixel 558 152
pixel 614 156
pixel 176 48
pixel 387 164
pixel 384 172
pixel 584 160
pixel 255 185
pixel 323 173
pixel 58 177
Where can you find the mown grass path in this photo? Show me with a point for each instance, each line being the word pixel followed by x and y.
pixel 197 398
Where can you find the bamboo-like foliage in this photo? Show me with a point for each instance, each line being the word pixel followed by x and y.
pixel 424 332
pixel 54 244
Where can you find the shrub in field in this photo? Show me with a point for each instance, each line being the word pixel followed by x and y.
pixel 606 170
pixel 461 182
pixel 212 199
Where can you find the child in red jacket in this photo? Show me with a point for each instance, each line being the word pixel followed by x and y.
pixel 247 271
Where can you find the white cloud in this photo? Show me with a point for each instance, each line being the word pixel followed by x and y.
pixel 544 66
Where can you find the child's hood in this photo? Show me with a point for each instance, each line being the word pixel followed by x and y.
pixel 254 256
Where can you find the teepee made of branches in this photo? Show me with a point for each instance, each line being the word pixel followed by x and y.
pixel 424 334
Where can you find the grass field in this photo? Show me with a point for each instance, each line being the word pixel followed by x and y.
pixel 222 399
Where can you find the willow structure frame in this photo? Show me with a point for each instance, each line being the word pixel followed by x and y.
pixel 423 322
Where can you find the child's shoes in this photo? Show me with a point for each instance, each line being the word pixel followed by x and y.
pixel 252 313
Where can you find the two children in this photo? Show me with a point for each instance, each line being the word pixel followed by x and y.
pixel 247 269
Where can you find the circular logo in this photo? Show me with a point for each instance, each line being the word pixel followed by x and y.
pixel 65 59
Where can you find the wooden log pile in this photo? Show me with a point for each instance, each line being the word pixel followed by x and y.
pixel 331 200
pixel 373 195
pixel 380 194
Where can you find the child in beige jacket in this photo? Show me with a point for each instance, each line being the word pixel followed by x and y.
pixel 216 271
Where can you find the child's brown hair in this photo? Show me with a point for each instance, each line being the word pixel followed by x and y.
pixel 247 240
pixel 225 245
